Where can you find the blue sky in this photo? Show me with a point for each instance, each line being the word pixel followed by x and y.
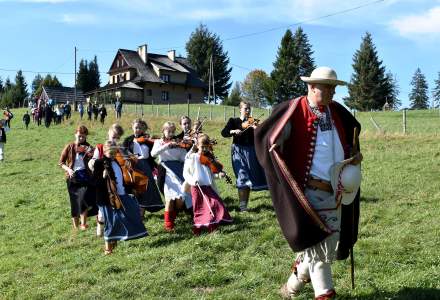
pixel 40 35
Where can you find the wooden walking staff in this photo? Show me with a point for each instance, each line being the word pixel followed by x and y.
pixel 354 152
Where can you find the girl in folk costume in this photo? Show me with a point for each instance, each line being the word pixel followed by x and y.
pixel 120 210
pixel 140 145
pixel 249 173
pixel 171 157
pixel 208 209
pixel 73 160
pixel 114 134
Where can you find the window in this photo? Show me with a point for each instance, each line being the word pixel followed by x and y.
pixel 165 77
pixel 149 92
pixel 165 96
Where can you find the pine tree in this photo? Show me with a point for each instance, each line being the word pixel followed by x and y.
pixel 203 44
pixel 94 80
pixel 419 93
pixel 285 73
pixel 436 92
pixel 8 84
pixel 367 89
pixel 1 86
pixel 234 97
pixel 55 82
pixel 306 63
pixel 21 89
pixel 83 76
pixel 391 89
pixel 36 84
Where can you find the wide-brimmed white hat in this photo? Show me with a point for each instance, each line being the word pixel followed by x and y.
pixel 324 75
pixel 346 180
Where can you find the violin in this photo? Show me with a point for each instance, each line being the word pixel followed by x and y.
pixel 208 159
pixel 84 149
pixel 250 122
pixel 131 176
pixel 144 139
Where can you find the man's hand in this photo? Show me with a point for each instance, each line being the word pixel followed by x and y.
pixel 235 132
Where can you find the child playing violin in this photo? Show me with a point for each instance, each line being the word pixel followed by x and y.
pixel 120 210
pixel 74 159
pixel 114 134
pixel 140 145
pixel 171 157
pixel 208 208
pixel 250 175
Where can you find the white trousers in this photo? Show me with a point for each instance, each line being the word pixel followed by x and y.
pixel 319 273
pixel 2 145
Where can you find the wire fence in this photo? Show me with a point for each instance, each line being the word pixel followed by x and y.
pixel 194 111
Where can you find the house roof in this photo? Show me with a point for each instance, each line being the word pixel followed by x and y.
pixel 124 84
pixel 145 72
pixel 63 94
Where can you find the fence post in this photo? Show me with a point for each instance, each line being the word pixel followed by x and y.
pixel 224 113
pixel 187 108
pixel 404 121
pixel 198 113
pixel 210 113
pixel 135 109
pixel 152 107
pixel 234 111
pixel 142 110
pixel 169 109
pixel 157 111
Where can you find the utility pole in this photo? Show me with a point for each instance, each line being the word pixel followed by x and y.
pixel 74 101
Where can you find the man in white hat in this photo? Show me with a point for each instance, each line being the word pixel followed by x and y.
pixel 297 146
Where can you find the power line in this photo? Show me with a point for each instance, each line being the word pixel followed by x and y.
pixel 227 39
pixel 304 21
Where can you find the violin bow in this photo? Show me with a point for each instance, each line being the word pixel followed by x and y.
pixel 206 199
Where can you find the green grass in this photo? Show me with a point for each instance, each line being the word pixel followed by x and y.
pixel 396 256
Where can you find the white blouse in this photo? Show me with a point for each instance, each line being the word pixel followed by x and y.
pixel 141 150
pixel 162 150
pixel 194 171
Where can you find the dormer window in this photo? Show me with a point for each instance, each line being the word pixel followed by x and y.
pixel 165 77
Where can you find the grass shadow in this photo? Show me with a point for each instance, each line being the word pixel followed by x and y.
pixel 369 199
pixel 403 294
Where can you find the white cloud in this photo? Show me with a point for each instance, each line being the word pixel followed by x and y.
pixel 80 18
pixel 413 26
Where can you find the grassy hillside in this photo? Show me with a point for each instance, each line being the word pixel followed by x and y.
pixel 396 256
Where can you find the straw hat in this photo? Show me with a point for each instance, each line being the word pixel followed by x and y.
pixel 324 75
pixel 346 180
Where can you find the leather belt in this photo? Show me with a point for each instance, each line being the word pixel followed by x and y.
pixel 319 184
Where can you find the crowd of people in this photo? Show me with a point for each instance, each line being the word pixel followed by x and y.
pixel 306 153
pixel 119 180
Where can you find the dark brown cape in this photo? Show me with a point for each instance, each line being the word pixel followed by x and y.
pixel 300 226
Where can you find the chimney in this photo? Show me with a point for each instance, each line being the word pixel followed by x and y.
pixel 172 55
pixel 142 51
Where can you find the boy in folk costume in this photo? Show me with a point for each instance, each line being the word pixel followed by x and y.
pixel 249 173
pixel 171 157
pixel 140 145
pixel 208 208
pixel 74 159
pixel 302 146
pixel 120 210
